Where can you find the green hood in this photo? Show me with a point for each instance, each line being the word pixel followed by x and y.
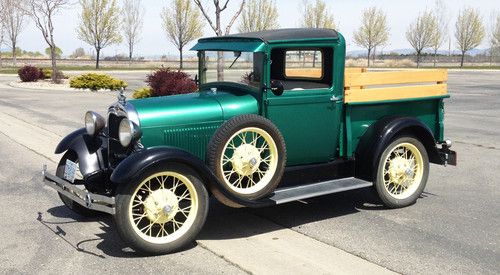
pixel 192 109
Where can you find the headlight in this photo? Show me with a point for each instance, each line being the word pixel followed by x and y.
pixel 128 132
pixel 94 123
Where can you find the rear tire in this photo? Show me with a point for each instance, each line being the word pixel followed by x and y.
pixel 402 172
pixel 162 210
pixel 72 205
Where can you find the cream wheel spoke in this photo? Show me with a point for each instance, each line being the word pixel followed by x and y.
pixel 249 148
pixel 403 170
pixel 154 214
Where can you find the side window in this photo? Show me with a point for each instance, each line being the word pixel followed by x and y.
pixel 303 68
pixel 304 64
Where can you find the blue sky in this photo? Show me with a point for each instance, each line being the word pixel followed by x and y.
pixel 347 15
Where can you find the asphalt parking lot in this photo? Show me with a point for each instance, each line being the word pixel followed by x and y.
pixel 453 228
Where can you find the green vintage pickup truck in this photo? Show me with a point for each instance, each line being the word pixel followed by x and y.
pixel 277 118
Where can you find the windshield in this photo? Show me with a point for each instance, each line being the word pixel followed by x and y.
pixel 239 67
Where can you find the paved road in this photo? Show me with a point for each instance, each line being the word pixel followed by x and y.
pixel 454 228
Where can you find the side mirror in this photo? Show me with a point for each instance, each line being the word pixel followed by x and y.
pixel 277 87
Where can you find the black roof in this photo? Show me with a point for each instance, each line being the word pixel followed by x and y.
pixel 284 34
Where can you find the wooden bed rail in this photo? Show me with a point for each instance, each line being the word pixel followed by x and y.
pixel 427 83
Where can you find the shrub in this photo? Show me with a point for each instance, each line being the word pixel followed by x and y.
pixel 47 74
pixel 167 82
pixel 143 93
pixel 29 74
pixel 94 82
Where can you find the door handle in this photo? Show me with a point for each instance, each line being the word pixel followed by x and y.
pixel 334 98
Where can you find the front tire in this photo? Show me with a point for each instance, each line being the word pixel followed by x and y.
pixel 162 210
pixel 402 172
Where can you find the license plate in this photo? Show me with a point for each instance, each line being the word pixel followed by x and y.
pixel 70 171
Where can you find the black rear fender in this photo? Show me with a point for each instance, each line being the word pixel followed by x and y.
pixel 380 134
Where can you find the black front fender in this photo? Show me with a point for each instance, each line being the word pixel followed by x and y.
pixel 139 162
pixel 90 150
pixel 65 143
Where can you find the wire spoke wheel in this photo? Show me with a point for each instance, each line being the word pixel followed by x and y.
pixel 249 160
pixel 163 207
pixel 403 170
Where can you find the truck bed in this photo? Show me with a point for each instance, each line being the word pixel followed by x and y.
pixel 370 96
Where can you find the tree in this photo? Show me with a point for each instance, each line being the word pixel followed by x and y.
pixel 57 52
pixel 217 27
pixel 441 30
pixel 259 15
pixel 15 15
pixel 469 31
pixel 78 53
pixel 2 31
pixel 132 22
pixel 99 25
pixel 373 31
pixel 421 33
pixel 317 15
pixel 494 36
pixel 43 12
pixel 182 23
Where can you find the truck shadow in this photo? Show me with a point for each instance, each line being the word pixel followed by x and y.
pixel 223 223
pixel 228 223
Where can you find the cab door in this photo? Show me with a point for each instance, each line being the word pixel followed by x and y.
pixel 308 113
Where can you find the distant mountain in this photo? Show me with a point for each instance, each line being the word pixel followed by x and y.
pixel 361 53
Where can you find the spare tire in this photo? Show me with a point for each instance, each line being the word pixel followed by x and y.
pixel 248 156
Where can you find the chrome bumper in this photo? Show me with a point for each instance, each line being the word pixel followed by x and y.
pixel 84 198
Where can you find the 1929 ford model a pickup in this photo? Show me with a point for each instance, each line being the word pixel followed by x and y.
pixel 284 121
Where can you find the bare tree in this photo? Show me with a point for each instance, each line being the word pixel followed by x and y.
pixel 494 36
pixel 183 23
pixel 317 15
pixel 469 31
pixel 259 15
pixel 132 23
pixel 217 27
pixel 15 15
pixel 441 31
pixel 43 12
pixel 421 33
pixel 373 31
pixel 2 30
pixel 2 40
pixel 99 24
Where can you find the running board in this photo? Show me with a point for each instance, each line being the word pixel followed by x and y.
pixel 301 192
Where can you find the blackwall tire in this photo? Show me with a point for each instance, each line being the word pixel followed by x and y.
pixel 162 211
pixel 248 156
pixel 402 172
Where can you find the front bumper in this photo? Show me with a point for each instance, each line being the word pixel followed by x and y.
pixel 84 198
